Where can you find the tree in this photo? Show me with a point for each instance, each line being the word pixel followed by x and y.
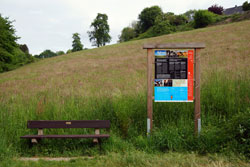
pixel 216 9
pixel 246 6
pixel 47 53
pixel 162 25
pixel 127 34
pixel 11 56
pixel 135 25
pixel 203 18
pixel 179 20
pixel 7 41
pixel 100 34
pixel 60 52
pixel 76 44
pixel 24 48
pixel 190 14
pixel 147 17
pixel 69 51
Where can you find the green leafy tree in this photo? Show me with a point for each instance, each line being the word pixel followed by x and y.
pixel 190 14
pixel 47 53
pixel 147 17
pixel 24 48
pixel 100 34
pixel 246 6
pixel 69 51
pixel 162 25
pixel 127 34
pixel 76 44
pixel 7 41
pixel 135 25
pixel 203 18
pixel 180 20
pixel 58 53
pixel 12 55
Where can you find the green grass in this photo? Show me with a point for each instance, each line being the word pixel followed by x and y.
pixel 138 159
pixel 110 83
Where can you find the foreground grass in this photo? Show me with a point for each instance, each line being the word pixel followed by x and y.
pixel 138 159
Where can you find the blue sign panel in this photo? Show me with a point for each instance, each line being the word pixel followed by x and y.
pixel 160 52
pixel 170 94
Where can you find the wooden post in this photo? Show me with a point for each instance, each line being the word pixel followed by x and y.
pixel 150 61
pixel 197 109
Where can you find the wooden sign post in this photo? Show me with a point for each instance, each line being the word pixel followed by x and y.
pixel 150 79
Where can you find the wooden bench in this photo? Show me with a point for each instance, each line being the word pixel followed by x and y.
pixel 40 125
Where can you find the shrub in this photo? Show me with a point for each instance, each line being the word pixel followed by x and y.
pixel 47 53
pixel 216 9
pixel 203 18
pixel 238 132
pixel 162 27
pixel 128 33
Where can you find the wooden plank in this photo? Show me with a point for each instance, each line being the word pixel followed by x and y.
pixel 197 91
pixel 150 61
pixel 65 136
pixel 69 124
pixel 175 46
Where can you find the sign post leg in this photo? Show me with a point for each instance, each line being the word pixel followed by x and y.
pixel 150 90
pixel 197 108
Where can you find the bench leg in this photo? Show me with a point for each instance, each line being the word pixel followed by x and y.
pixel 97 132
pixel 40 132
pixel 34 141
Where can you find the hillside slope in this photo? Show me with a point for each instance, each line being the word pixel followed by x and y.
pixel 121 68
pixel 109 83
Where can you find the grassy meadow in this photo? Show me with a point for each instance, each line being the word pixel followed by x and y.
pixel 110 83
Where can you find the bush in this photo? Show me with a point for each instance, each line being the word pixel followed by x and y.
pixel 47 53
pixel 238 132
pixel 203 18
pixel 128 33
pixel 216 9
pixel 162 27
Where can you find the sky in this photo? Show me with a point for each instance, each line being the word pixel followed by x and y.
pixel 49 24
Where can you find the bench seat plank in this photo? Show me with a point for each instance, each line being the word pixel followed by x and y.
pixel 69 124
pixel 65 136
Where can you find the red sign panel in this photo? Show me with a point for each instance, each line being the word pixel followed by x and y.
pixel 190 74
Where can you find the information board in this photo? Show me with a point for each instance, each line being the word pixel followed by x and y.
pixel 173 75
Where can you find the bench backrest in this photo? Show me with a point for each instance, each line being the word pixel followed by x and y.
pixel 69 124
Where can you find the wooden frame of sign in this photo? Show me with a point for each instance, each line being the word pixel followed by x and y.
pixel 150 62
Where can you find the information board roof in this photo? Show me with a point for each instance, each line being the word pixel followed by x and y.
pixel 175 46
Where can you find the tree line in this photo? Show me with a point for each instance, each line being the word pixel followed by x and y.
pixel 152 21
pixel 99 36
pixel 13 55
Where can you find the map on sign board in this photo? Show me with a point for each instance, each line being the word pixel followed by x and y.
pixel 173 76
